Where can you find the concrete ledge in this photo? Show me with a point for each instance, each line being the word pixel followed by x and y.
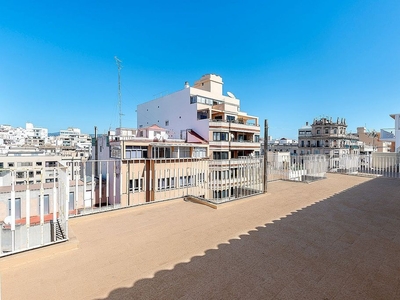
pixel 200 201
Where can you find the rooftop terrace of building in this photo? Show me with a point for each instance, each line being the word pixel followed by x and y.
pixel 337 238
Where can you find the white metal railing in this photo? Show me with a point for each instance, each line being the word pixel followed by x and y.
pixel 380 164
pixel 283 166
pixel 29 211
pixel 234 122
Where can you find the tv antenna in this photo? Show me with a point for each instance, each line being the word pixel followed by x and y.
pixel 118 62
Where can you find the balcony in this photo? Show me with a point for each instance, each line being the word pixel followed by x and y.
pixel 236 144
pixel 387 135
pixel 234 125
pixel 240 144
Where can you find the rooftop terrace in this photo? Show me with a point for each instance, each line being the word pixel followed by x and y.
pixel 337 238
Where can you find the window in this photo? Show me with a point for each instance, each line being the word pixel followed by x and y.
pixel 203 114
pixel 199 152
pixel 1 165
pixel 17 208
pixel 172 182
pixel 51 164
pixel 166 123
pixel 20 175
pixel 161 152
pixel 241 137
pixel 220 136
pixel 10 165
pixel 115 152
pixel 220 155
pixel 318 131
pixel 24 164
pixel 326 130
pixel 46 204
pixel 204 100
pixel 39 163
pixel 135 152
pixel 136 185
pixel 256 138
pixel 181 152
pixel 71 204
pixel 230 118
pixel 161 184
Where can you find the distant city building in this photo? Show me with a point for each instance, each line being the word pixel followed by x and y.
pixel 371 141
pixel 35 136
pixel 72 137
pixel 324 136
pixel 392 134
pixel 282 145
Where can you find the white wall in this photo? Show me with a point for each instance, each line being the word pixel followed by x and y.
pixel 397 132
pixel 174 108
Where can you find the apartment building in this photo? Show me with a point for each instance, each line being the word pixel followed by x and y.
pixel 283 145
pixel 325 136
pixel 392 135
pixel 72 137
pixel 147 166
pixel 36 197
pixel 371 141
pixel 35 136
pixel 206 111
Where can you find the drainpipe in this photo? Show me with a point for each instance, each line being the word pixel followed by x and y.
pixel 265 154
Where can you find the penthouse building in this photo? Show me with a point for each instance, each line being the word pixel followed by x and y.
pixel 205 110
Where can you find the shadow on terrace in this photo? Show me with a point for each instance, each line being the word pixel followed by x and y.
pixel 346 247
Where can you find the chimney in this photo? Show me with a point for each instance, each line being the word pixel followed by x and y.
pixel 186 84
pixel 306 123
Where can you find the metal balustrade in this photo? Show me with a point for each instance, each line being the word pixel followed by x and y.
pixel 35 212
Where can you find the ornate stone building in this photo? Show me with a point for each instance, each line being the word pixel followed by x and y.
pixel 325 136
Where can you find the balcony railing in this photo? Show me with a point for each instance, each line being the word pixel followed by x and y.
pixel 234 122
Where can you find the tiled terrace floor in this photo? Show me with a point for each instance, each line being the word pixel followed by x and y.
pixel 337 238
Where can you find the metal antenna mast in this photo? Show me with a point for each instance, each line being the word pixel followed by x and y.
pixel 118 62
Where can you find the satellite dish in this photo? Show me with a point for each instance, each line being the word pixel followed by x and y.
pixel 7 220
pixel 231 95
pixel 165 136
pixel 158 136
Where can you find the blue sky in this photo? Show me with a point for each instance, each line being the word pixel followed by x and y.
pixel 287 61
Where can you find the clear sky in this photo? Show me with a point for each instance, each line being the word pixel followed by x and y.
pixel 287 61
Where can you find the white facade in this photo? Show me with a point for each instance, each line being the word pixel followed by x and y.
pixel 205 110
pixel 72 137
pixel 172 112
pixel 392 134
pixel 36 132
